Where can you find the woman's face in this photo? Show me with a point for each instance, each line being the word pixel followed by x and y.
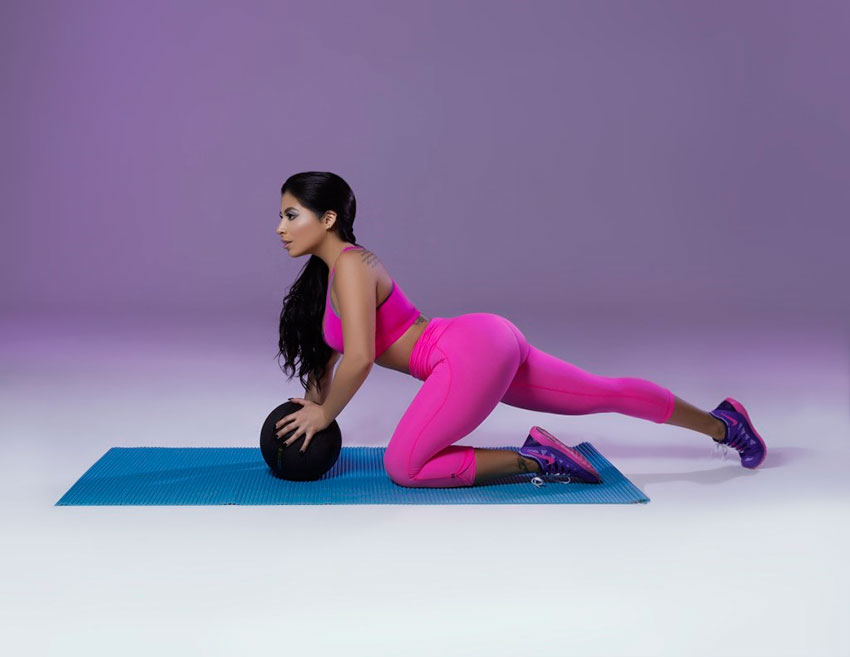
pixel 298 226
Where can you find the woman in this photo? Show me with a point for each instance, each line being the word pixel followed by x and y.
pixel 346 301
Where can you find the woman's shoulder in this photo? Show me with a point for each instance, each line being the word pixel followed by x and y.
pixel 363 254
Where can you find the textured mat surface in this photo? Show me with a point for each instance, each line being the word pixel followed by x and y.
pixel 238 475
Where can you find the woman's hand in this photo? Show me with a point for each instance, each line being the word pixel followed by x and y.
pixel 307 421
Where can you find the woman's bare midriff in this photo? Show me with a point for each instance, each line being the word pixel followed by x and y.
pixel 397 355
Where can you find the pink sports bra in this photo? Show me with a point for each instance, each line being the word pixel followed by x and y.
pixel 393 316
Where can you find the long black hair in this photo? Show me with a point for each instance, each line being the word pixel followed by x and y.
pixel 304 304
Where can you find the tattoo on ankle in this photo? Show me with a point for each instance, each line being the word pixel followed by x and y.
pixel 522 464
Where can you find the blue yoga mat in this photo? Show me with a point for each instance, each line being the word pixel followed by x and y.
pixel 238 475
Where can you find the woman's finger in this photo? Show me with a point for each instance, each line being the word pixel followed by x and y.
pixel 286 427
pixel 285 417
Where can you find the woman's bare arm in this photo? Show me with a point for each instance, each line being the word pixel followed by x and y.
pixel 312 393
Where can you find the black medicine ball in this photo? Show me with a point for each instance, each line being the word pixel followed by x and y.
pixel 288 462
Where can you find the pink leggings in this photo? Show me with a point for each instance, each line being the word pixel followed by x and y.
pixel 470 363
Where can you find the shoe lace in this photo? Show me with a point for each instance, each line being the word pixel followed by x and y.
pixel 740 441
pixel 720 449
pixel 539 481
pixel 558 473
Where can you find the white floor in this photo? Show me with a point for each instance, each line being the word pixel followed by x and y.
pixel 722 561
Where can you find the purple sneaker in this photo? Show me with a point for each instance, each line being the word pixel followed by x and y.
pixel 556 458
pixel 740 433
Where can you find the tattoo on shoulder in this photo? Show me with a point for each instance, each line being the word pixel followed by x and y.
pixel 369 258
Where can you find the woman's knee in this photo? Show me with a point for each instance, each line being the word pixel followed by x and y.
pixel 396 468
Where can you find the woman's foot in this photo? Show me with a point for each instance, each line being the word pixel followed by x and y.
pixel 556 458
pixel 740 433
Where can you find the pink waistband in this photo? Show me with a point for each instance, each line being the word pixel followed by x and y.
pixel 421 354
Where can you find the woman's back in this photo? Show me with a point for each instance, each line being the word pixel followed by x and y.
pixel 395 313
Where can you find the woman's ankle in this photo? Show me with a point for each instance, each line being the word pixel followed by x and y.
pixel 530 464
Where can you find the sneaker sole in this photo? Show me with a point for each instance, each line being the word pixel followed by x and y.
pixel 545 438
pixel 739 407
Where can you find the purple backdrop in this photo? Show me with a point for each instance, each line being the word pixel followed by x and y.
pixel 547 158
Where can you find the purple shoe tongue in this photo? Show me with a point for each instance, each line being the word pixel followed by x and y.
pixel 530 441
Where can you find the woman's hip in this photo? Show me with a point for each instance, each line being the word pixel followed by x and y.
pixel 478 340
